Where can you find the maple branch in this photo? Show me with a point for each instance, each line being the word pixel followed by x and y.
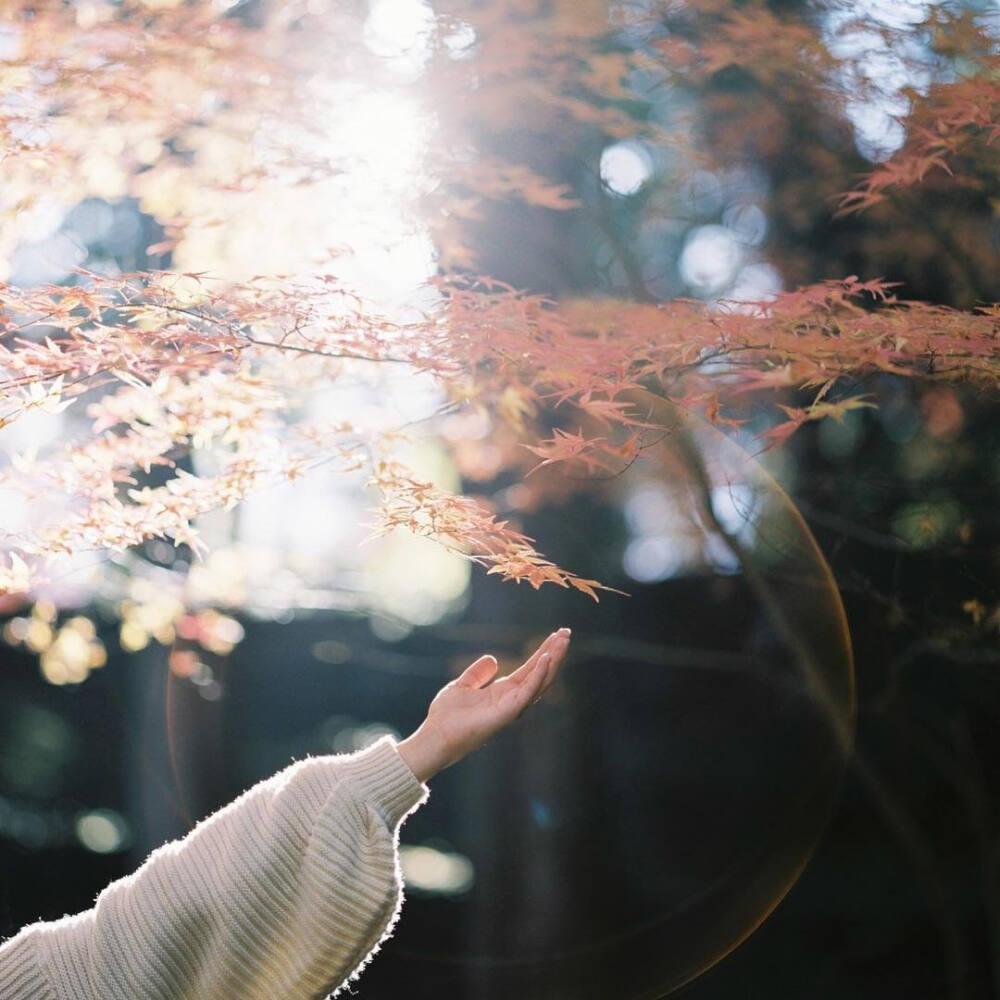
pixel 326 354
pixel 38 321
pixel 280 345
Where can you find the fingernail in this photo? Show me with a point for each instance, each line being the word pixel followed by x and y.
pixel 565 631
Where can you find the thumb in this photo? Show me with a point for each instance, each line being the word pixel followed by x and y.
pixel 478 673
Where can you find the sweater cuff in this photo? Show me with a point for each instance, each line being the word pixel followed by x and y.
pixel 20 972
pixel 386 781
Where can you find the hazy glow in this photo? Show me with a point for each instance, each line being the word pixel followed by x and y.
pixel 400 32
pixel 358 224
pixel 295 544
pixel 381 132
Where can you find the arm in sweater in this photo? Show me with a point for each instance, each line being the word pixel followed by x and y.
pixel 284 893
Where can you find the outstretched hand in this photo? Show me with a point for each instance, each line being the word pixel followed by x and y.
pixel 467 712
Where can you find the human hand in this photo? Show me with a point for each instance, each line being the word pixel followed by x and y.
pixel 469 710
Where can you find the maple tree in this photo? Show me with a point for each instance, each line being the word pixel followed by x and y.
pixel 210 115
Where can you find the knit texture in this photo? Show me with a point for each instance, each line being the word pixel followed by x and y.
pixel 286 893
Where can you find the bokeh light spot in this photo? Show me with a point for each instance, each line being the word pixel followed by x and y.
pixel 625 167
pixel 710 259
pixel 648 559
pixel 436 872
pixel 102 831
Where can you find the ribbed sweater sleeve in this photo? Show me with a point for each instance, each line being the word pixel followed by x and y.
pixel 286 893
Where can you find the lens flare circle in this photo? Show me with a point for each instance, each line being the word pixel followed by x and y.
pixel 712 717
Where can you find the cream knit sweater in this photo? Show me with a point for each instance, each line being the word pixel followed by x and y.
pixel 285 893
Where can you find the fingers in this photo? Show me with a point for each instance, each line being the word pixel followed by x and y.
pixel 477 673
pixel 523 695
pixel 526 668
pixel 535 675
pixel 557 653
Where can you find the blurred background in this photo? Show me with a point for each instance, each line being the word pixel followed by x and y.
pixel 707 764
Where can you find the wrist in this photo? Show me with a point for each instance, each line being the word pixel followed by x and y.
pixel 422 754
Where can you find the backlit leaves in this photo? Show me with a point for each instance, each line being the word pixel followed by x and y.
pixel 186 108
